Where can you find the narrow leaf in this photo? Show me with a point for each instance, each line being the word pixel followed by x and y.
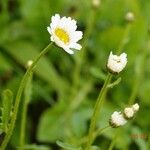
pixel 7 107
pixel 67 146
pixel 114 83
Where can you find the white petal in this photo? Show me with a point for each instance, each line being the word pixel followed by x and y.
pixel 52 39
pixel 76 36
pixel 69 51
pixel 76 46
pixel 56 18
pixel 55 21
pixel 49 30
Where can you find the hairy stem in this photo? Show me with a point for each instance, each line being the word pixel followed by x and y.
pixel 27 94
pixel 97 108
pixel 18 97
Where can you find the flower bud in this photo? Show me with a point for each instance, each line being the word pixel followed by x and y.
pixel 96 3
pixel 29 63
pixel 117 119
pixel 128 113
pixel 116 63
pixel 129 17
pixel 135 107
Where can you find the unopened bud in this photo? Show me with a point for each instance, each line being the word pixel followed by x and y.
pixel 128 113
pixel 135 107
pixel 29 63
pixel 96 3
pixel 129 17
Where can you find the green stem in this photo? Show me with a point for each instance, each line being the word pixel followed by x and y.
pixel 100 131
pixel 27 93
pixel 23 126
pixel 112 144
pixel 139 74
pixel 97 108
pixel 80 57
pixel 18 97
pixel 95 134
pixel 134 92
pixel 124 38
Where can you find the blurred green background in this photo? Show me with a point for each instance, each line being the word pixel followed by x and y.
pixel 65 87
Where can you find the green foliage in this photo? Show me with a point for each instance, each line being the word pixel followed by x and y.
pixel 6 110
pixel 61 104
pixel 67 146
pixel 36 147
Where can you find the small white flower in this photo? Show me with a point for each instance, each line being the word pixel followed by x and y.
pixel 128 112
pixel 96 3
pixel 63 33
pixel 130 17
pixel 116 63
pixel 117 119
pixel 135 107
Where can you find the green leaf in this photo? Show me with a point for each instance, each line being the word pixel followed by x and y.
pixel 4 65
pixel 36 147
pixel 23 51
pixel 54 120
pixel 7 108
pixel 114 83
pixel 95 147
pixel 139 138
pixel 97 73
pixel 67 146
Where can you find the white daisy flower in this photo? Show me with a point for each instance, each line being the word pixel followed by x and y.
pixel 128 112
pixel 63 33
pixel 117 119
pixel 116 63
pixel 135 107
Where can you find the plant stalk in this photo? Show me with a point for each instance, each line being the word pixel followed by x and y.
pixel 18 97
pixel 97 108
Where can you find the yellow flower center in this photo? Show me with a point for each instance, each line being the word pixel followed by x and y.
pixel 62 35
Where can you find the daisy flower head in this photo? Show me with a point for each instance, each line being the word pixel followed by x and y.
pixel 63 33
pixel 116 63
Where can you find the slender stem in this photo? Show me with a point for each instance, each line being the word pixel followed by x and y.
pixel 80 57
pixel 95 134
pixel 18 97
pixel 139 74
pixel 101 130
pixel 112 144
pixel 23 125
pixel 27 94
pixel 134 92
pixel 124 40
pixel 96 111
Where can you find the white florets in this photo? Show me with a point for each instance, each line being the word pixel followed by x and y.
pixel 135 107
pixel 128 112
pixel 117 119
pixel 116 63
